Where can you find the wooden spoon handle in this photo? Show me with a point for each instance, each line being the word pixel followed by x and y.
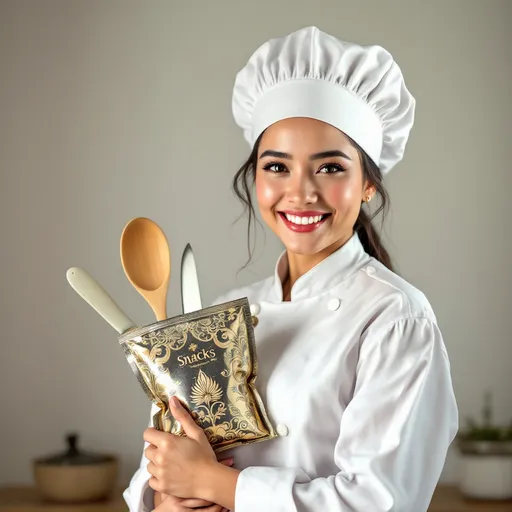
pixel 160 309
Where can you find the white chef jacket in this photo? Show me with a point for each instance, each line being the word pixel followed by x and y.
pixel 356 378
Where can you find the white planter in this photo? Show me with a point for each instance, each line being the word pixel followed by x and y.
pixel 486 476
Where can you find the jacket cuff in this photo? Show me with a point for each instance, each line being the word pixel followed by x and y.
pixel 264 488
pixel 139 497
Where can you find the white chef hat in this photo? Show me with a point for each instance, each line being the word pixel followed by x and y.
pixel 358 89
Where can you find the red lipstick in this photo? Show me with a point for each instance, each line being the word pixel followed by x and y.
pixel 303 221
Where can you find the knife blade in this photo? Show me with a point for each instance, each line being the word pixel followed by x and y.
pixel 190 294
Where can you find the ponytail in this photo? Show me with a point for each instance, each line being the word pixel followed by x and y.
pixel 368 235
pixel 370 239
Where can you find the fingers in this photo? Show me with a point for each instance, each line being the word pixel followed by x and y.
pixel 213 508
pixel 195 503
pixel 181 508
pixel 150 452
pixel 173 504
pixel 228 462
pixel 156 437
pixel 154 484
pixel 190 427
pixel 170 504
pixel 153 470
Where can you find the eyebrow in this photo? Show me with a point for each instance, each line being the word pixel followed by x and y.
pixel 316 156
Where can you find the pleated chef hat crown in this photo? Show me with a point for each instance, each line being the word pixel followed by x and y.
pixel 358 89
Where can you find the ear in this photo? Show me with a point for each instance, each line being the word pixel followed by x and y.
pixel 368 193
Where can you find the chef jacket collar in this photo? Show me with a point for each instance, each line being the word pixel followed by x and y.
pixel 342 263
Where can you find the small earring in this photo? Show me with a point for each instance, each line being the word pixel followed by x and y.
pixel 368 199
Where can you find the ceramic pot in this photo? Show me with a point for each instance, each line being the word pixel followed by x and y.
pixel 76 476
pixel 486 477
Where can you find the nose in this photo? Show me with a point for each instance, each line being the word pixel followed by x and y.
pixel 302 189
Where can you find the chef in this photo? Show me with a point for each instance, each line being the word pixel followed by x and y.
pixel 353 369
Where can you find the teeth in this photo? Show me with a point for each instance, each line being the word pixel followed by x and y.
pixel 304 220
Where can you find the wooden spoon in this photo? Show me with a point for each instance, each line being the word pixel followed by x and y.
pixel 146 260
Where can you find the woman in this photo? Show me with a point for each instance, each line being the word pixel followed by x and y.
pixel 352 365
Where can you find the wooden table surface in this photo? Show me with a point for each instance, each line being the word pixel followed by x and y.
pixel 448 499
pixel 27 499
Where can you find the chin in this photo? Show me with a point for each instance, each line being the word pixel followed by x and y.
pixel 303 247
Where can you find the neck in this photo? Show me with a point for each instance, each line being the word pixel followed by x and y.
pixel 300 264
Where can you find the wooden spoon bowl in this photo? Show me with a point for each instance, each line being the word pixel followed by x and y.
pixel 146 261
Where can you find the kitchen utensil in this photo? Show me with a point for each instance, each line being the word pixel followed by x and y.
pixel 92 292
pixel 146 260
pixel 76 476
pixel 190 295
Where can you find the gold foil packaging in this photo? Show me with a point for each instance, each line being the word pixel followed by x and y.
pixel 207 359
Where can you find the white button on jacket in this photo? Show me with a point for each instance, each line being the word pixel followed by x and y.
pixel 362 393
pixel 255 309
pixel 334 304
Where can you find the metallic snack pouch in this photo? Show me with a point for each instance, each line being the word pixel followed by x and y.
pixel 207 359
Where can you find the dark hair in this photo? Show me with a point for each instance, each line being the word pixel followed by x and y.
pixel 370 239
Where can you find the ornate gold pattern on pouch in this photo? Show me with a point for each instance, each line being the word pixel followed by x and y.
pixel 207 359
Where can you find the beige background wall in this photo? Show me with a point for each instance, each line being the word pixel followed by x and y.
pixel 115 109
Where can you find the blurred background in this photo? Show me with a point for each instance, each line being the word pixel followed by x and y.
pixel 115 109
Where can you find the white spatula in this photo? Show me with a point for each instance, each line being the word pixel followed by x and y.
pixel 92 292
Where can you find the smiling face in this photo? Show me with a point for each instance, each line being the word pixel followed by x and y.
pixel 309 185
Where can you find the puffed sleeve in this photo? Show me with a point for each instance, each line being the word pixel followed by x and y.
pixel 139 497
pixel 393 437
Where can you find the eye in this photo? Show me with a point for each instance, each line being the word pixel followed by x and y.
pixel 274 167
pixel 331 169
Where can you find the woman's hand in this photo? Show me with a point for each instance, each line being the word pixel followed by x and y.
pixel 173 504
pixel 186 467
pixel 180 504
